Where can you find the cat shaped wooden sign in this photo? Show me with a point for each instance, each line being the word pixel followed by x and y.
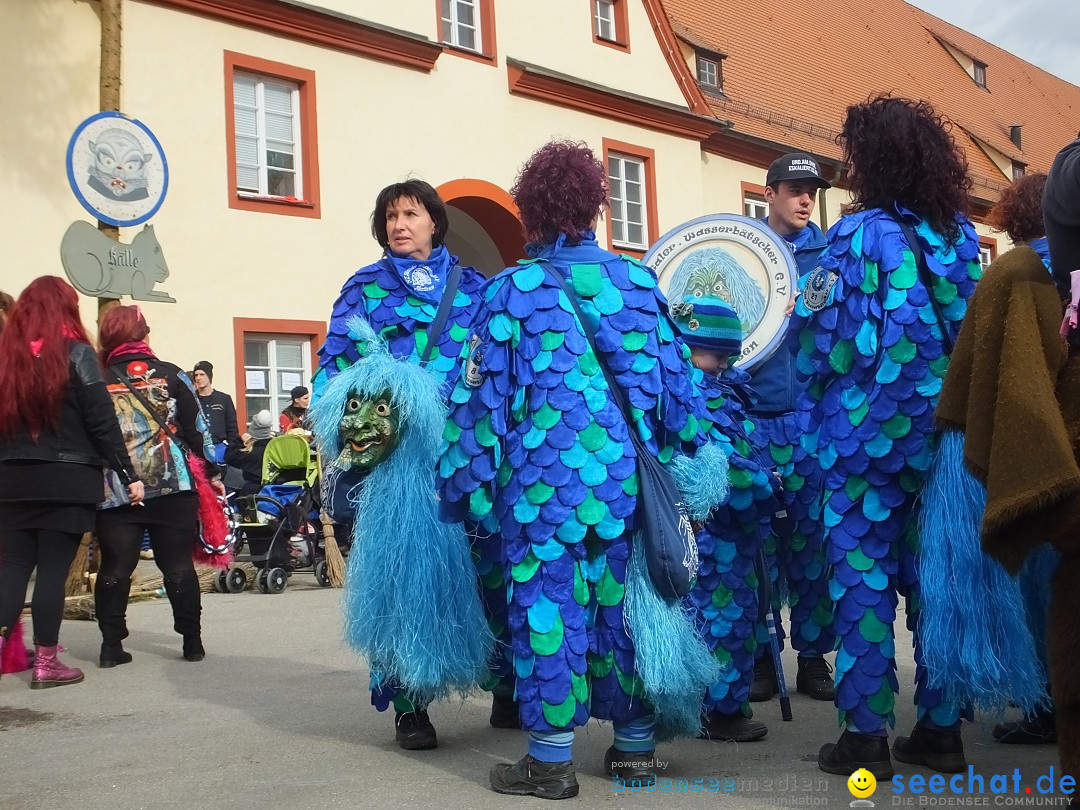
pixel 101 267
pixel 117 169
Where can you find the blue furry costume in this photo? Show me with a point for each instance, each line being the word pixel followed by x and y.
pixel 412 605
pixel 725 598
pixel 538 450
pixel 401 314
pixel 873 350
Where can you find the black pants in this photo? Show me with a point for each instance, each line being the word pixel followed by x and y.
pixel 172 523
pixel 51 552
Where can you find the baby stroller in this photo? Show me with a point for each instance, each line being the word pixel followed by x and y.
pixel 280 526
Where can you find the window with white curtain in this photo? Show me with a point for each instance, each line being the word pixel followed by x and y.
pixel 626 176
pixel 604 18
pixel 268 147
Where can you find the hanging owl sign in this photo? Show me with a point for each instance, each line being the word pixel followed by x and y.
pixel 735 258
pixel 117 169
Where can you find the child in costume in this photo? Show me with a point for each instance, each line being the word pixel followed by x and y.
pixel 873 342
pixel 730 543
pixel 539 451
pixel 400 296
pixel 412 604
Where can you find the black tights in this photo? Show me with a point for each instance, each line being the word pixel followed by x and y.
pixel 51 552
pixel 120 544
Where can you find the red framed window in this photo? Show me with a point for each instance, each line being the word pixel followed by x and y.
pixel 273 356
pixel 987 250
pixel 610 23
pixel 271 137
pixel 467 28
pixel 632 222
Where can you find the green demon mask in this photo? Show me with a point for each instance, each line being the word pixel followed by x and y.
pixel 369 431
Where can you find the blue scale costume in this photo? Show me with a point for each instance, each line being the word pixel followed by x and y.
pixel 872 347
pixel 725 597
pixel 538 451
pixel 399 298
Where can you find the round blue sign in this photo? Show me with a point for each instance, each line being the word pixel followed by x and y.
pixel 117 169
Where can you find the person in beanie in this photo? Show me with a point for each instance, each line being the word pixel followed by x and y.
pixel 293 415
pixel 218 408
pixel 249 458
pixel 724 601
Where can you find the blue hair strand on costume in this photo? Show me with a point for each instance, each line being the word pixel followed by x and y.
pixel 702 480
pixel 412 602
pixel 973 630
pixel 672 660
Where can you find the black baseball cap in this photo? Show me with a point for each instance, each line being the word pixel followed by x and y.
pixel 795 166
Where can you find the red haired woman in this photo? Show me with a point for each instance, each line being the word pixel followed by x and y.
pixel 167 436
pixel 57 431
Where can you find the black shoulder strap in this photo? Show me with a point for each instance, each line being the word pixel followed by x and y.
pixel 442 313
pixel 122 377
pixel 616 390
pixel 927 279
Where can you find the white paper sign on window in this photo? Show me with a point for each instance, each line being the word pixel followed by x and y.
pixel 291 379
pixel 255 380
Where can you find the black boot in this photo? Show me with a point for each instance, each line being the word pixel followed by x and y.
pixel 531 777
pixel 633 768
pixel 853 751
pixel 815 679
pixel 764 685
pixel 1035 729
pixel 731 728
pixel 110 606
pixel 504 712
pixel 113 655
pixel 182 589
pixel 941 751
pixel 414 731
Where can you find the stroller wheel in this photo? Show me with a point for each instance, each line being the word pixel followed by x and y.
pixel 260 580
pixel 221 582
pixel 276 580
pixel 235 580
pixel 322 575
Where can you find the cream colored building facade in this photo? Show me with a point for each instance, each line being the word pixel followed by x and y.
pixel 375 99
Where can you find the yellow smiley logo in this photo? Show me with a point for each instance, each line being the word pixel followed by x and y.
pixel 862 784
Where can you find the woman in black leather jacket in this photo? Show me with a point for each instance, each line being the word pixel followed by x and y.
pixel 57 432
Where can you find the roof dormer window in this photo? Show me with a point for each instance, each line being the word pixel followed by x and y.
pixel 978 73
pixel 710 72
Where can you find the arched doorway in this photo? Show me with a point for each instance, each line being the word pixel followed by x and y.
pixel 485 231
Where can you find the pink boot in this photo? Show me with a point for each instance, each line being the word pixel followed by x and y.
pixel 50 671
pixel 13 654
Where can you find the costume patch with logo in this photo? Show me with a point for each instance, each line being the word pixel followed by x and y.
pixel 420 278
pixel 818 286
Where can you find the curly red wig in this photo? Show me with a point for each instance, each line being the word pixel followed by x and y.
pixel 33 374
pixel 121 324
pixel 560 190
pixel 1018 212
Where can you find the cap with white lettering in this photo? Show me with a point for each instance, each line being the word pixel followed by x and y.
pixel 795 166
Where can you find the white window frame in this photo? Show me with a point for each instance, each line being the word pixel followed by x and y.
pixel 604 15
pixel 450 17
pixel 978 73
pixel 263 166
pixel 275 398
pixel 755 207
pixel 704 63
pixel 617 163
pixel 986 256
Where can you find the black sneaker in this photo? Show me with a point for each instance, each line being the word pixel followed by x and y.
pixel 113 655
pixel 731 728
pixel 1037 729
pixel 941 751
pixel 531 777
pixel 815 679
pixel 633 768
pixel 504 712
pixel 764 685
pixel 853 751
pixel 414 731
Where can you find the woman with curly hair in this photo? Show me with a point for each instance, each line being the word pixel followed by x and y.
pixel 1019 213
pixel 540 453
pixel 877 321
pixel 57 432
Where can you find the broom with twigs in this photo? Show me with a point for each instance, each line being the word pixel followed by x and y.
pixel 335 562
pixel 77 578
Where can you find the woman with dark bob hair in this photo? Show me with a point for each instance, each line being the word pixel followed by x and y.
pixel 400 296
pixel 168 441
pixel 876 333
pixel 539 451
pixel 57 432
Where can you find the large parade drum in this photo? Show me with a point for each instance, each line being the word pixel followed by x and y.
pixel 735 258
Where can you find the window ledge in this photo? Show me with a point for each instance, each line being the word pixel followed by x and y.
pixel 476 56
pixel 269 198
pixel 637 252
pixel 612 43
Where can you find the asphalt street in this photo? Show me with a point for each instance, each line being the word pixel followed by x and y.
pixel 278 716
